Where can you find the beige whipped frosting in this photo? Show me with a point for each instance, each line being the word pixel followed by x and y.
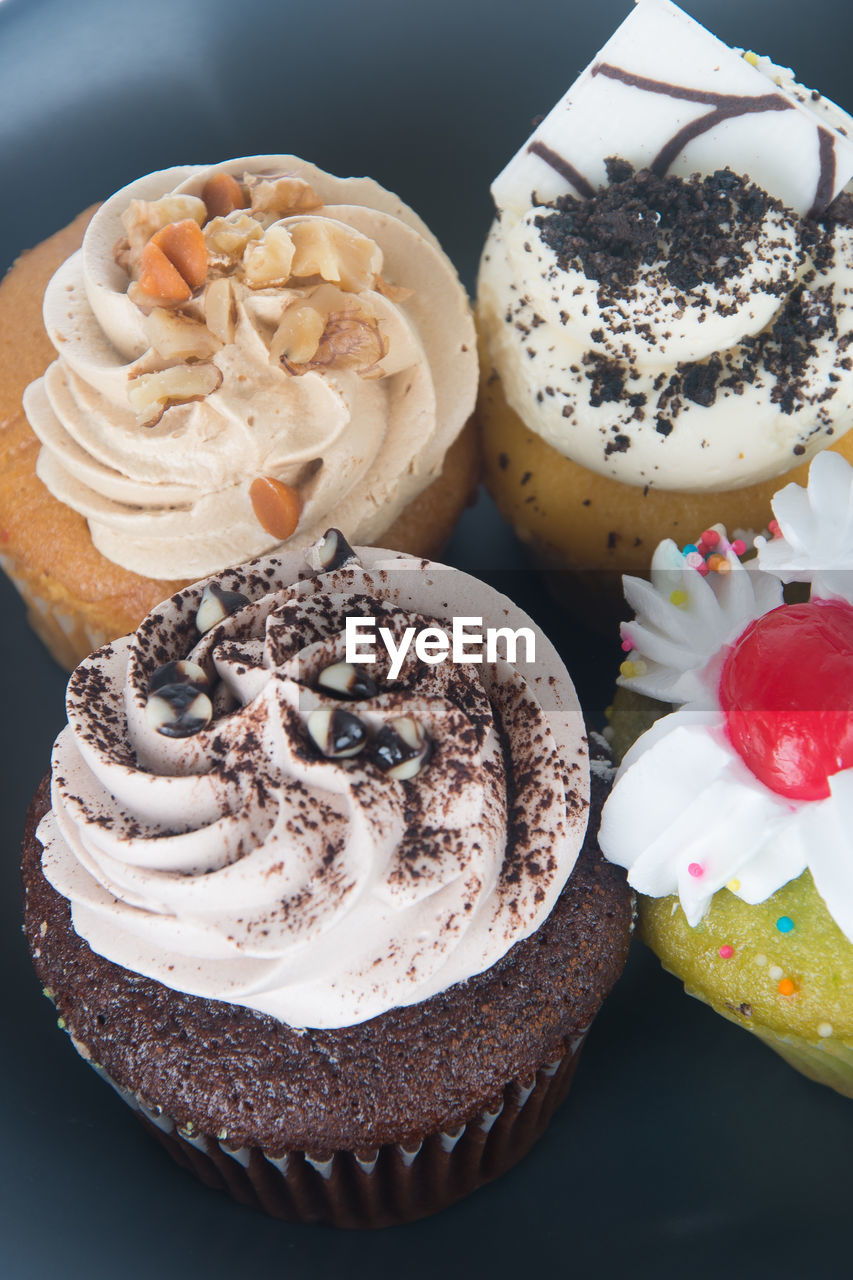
pixel 239 864
pixel 167 494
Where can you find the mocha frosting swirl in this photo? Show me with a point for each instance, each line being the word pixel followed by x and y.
pixel 241 865
pixel 171 498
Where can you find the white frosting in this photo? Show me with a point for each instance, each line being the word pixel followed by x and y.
pixel 598 369
pixel 686 815
pixel 550 365
pixel 816 528
pixel 238 864
pixel 599 117
pixel 172 500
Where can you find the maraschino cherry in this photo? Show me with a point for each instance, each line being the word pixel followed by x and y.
pixel 787 691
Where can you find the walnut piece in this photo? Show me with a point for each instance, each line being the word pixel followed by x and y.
pixel 151 393
pixel 298 335
pixel 336 253
pixel 220 309
pixel 285 195
pixel 267 262
pixel 178 337
pixel 144 218
pixel 227 238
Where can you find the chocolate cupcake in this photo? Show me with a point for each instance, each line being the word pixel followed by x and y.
pixel 334 923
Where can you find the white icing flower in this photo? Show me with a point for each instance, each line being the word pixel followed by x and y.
pixel 686 814
pixel 684 621
pixel 816 528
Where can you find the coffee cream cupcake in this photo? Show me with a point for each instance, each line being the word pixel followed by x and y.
pixel 245 354
pixel 734 812
pixel 336 935
pixel 665 299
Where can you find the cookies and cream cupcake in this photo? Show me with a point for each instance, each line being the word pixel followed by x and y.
pixel 664 298
pixel 336 930
pixel 733 805
pixel 245 353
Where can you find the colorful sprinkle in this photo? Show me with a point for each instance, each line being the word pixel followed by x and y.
pixel 696 869
pixel 627 645
pixel 773 529
pixel 784 924
pixel 776 972
pixel 727 951
pixel 630 669
pixel 824 1029
pixel 690 549
pixel 710 537
pixel 787 987
pixel 694 558
pixel 678 597
pixel 738 546
pixel 761 960
pixel 733 885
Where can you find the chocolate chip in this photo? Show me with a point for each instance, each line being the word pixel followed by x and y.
pixel 217 604
pixel 331 552
pixel 401 748
pixel 183 672
pixel 346 680
pixel 178 710
pixel 337 733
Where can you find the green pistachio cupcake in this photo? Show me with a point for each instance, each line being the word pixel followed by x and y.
pixel 733 806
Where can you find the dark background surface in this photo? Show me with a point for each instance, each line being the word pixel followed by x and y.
pixel 685 1148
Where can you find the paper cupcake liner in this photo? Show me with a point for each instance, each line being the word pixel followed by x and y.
pixel 66 633
pixel 371 1187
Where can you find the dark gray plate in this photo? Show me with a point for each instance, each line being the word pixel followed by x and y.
pixel 685 1147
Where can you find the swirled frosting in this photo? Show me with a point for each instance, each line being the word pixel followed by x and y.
pixel 356 426
pixel 684 335
pixel 688 815
pixel 240 864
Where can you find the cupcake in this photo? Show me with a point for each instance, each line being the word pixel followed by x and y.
pixel 325 907
pixel 732 812
pixel 664 300
pixel 244 353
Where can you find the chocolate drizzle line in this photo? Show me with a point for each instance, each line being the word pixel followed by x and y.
pixel 564 168
pixel 826 175
pixel 725 106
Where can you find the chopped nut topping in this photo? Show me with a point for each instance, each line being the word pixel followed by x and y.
pixel 277 506
pixel 143 218
pixel 335 253
pixel 150 393
pixel 220 309
pixel 184 245
pixel 222 194
pixel 159 278
pixel 177 337
pixel 268 262
pixel 228 237
pixel 285 195
pixel 297 337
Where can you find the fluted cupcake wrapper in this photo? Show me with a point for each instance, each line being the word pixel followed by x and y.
pixel 380 1186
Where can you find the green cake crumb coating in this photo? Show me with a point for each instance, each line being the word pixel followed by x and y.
pixel 736 958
